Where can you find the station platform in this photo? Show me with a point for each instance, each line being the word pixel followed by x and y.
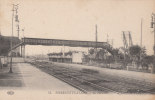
pixel 28 77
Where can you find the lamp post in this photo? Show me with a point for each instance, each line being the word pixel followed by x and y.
pixel 11 45
pixel 10 71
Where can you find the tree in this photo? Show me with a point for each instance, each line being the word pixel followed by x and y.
pixel 115 53
pixel 91 51
pixel 86 58
pixel 101 54
pixel 147 60
pixel 134 52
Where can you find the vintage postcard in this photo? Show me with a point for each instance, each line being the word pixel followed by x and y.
pixel 77 49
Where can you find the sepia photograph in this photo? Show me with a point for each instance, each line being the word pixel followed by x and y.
pixel 77 48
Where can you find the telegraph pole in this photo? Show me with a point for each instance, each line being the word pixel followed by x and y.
pixel 112 42
pixel 96 41
pixel 154 34
pixel 153 26
pixel 96 36
pixel 23 32
pixel 17 19
pixel 22 47
pixel 18 30
pixel 141 42
pixel 141 33
pixel 107 38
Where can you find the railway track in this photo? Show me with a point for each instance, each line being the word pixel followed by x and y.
pixel 92 83
pixel 79 83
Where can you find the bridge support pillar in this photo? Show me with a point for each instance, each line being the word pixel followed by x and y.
pixel 23 51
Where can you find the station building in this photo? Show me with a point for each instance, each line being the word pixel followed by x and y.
pixel 67 57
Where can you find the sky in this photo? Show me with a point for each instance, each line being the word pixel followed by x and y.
pixel 76 20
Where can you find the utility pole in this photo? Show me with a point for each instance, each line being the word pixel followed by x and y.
pixel 107 38
pixel 153 26
pixel 23 32
pixel 141 32
pixel 112 42
pixel 141 42
pixel 96 36
pixel 96 42
pixel 17 19
pixel 22 46
pixel 18 30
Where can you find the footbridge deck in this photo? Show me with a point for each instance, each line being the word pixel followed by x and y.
pixel 59 42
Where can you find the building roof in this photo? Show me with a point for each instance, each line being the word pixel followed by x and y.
pixel 69 53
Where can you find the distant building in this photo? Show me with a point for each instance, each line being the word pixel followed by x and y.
pixel 67 57
pixel 77 57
